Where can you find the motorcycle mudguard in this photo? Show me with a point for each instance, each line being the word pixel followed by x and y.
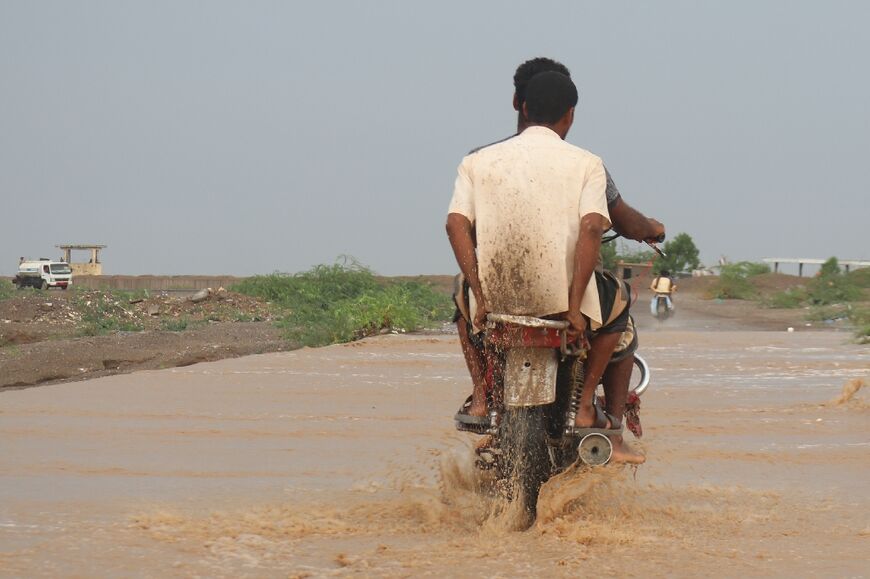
pixel 530 376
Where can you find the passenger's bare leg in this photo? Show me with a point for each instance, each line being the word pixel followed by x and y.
pixel 616 380
pixel 476 362
pixel 617 377
pixel 600 350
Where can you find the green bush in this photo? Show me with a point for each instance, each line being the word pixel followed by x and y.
pixel 174 325
pixel 825 313
pixel 102 313
pixel 7 289
pixel 860 318
pixel 860 277
pixel 788 299
pixel 733 283
pixel 342 302
pixel 833 289
pixel 830 267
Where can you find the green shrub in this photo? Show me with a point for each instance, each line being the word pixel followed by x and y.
pixel 860 318
pixel 833 289
pixel 342 302
pixel 7 289
pixel 733 284
pixel 860 277
pixel 102 313
pixel 174 324
pixel 788 299
pixel 825 313
pixel 830 267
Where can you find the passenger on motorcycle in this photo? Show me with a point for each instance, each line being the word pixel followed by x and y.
pixel 534 208
pixel 627 221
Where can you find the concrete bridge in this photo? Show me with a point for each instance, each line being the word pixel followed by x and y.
pixel 846 263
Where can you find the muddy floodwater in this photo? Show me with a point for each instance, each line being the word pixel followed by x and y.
pixel 343 461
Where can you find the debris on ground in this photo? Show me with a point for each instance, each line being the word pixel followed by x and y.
pixel 36 315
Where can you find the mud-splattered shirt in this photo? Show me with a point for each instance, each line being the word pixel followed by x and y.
pixel 612 192
pixel 525 197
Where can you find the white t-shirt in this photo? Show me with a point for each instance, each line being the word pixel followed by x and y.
pixel 526 196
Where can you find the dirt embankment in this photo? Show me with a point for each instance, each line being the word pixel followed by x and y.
pixel 694 301
pixel 53 336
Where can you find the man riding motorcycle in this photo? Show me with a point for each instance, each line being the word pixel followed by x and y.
pixel 537 207
pixel 663 286
pixel 626 221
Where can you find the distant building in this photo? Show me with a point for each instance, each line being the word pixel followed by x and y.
pixel 639 275
pixel 91 267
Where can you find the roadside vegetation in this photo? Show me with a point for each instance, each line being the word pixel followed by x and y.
pixel 733 282
pixel 325 305
pixel 342 302
pixel 102 313
pixel 7 289
pixel 829 296
pixel 681 254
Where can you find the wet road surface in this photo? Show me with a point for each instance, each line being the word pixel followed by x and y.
pixel 343 461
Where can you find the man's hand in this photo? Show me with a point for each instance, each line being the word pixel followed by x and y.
pixel 656 230
pixel 577 330
pixel 480 315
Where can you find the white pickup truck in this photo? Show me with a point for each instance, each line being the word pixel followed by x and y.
pixel 43 273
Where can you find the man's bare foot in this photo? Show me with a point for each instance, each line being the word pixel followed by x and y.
pixel 483 443
pixel 588 417
pixel 624 454
pixel 477 408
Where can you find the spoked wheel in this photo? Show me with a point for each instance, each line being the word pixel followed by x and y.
pixel 526 462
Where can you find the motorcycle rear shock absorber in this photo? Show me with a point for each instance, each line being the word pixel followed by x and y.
pixel 578 375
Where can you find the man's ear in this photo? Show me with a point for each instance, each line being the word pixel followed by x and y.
pixel 516 102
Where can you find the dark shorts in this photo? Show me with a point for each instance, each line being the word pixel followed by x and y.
pixel 614 296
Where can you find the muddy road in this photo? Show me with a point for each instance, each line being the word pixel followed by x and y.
pixel 343 461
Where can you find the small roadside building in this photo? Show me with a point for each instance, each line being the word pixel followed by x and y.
pixel 639 275
pixel 91 267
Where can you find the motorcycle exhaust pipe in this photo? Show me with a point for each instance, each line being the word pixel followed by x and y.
pixel 595 449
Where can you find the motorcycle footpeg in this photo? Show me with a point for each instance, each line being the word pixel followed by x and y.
pixel 579 433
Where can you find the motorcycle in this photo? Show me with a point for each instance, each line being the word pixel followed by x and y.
pixel 534 380
pixel 661 307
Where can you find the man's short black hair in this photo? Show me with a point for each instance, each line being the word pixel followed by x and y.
pixel 529 69
pixel 549 95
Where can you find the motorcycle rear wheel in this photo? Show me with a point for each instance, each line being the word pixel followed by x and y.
pixel 662 311
pixel 526 459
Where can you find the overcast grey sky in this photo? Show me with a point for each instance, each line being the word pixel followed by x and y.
pixel 248 137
